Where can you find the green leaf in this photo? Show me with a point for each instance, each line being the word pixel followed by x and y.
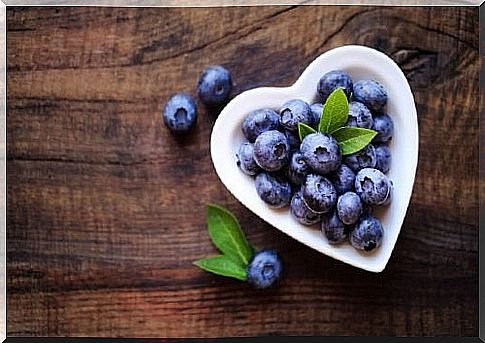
pixel 335 112
pixel 227 235
pixel 304 130
pixel 353 139
pixel 222 265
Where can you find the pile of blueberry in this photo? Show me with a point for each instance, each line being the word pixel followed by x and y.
pixel 312 177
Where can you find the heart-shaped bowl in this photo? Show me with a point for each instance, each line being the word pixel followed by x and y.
pixel 361 63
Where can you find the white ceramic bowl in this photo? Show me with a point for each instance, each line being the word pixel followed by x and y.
pixel 361 63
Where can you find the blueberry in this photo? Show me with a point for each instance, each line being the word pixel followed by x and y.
pixel 383 156
pixel 367 234
pixel 373 187
pixel 302 212
pixel 360 116
pixel 332 227
pixel 365 158
pixel 294 112
pixel 384 126
pixel 343 179
pixel 264 269
pixel 293 139
pixel 180 113
pixel 245 159
pixel 214 86
pixel 317 110
pixel 371 93
pixel 321 152
pixel 273 189
pixel 271 150
pixel 319 193
pixel 349 208
pixel 331 81
pixel 297 168
pixel 260 121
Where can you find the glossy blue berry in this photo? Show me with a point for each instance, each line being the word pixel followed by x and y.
pixel 367 234
pixel 332 227
pixel 385 128
pixel 273 189
pixel 297 168
pixel 343 179
pixel 383 157
pixel 214 86
pixel 180 113
pixel 264 269
pixel 301 212
pixel 373 186
pixel 349 208
pixel 245 159
pixel 321 152
pixel 359 116
pixel 365 158
pixel 331 81
pixel 319 193
pixel 271 150
pixel 259 121
pixel 372 94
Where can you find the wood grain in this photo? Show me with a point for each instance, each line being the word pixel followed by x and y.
pixel 106 210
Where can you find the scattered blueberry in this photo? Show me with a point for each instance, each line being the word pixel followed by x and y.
pixel 365 158
pixel 271 150
pixel 294 112
pixel 359 116
pixel 331 81
pixel 371 93
pixel 349 208
pixel 383 157
pixel 293 139
pixel 302 212
pixel 264 269
pixel 214 86
pixel 273 189
pixel 319 193
pixel 333 228
pixel 180 113
pixel 373 187
pixel 297 168
pixel 384 126
pixel 245 159
pixel 317 110
pixel 321 152
pixel 367 234
pixel 258 122
pixel 343 179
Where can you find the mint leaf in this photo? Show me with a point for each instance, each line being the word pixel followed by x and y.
pixel 335 112
pixel 353 139
pixel 222 265
pixel 304 130
pixel 226 234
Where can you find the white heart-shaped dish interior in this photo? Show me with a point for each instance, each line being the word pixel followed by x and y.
pixel 361 63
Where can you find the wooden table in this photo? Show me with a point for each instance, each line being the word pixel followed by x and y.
pixel 106 210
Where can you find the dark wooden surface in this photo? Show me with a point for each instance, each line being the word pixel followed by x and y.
pixel 106 210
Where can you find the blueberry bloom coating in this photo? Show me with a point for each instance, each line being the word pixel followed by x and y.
pixel 273 189
pixel 317 110
pixel 331 81
pixel 180 113
pixel 319 193
pixel 365 158
pixel 245 159
pixel 372 94
pixel 343 179
pixel 349 208
pixel 385 128
pixel 360 116
pixel 321 152
pixel 293 112
pixel 214 85
pixel 260 121
pixel 373 186
pixel 302 212
pixel 271 150
pixel 297 168
pixel 264 269
pixel 332 227
pixel 293 139
pixel 383 156
pixel 367 234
